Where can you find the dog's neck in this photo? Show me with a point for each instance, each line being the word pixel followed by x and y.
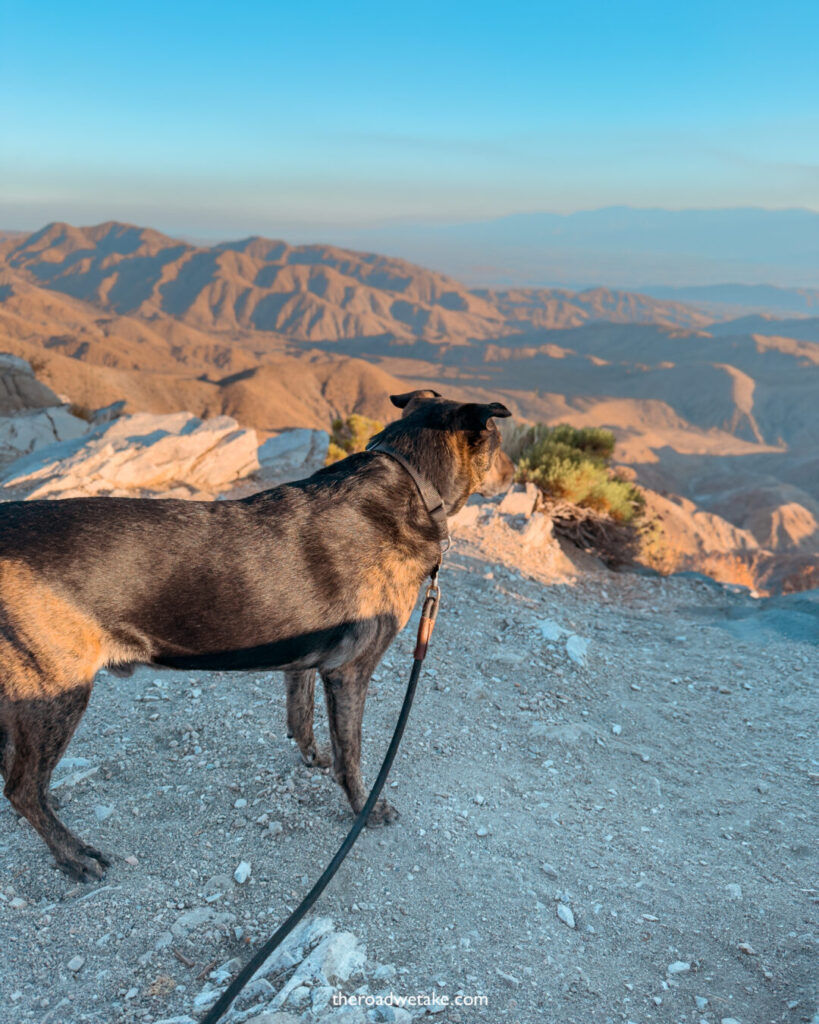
pixel 436 461
pixel 430 495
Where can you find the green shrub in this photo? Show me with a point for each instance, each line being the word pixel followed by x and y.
pixel 350 435
pixel 571 464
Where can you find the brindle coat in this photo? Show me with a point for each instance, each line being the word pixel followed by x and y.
pixel 319 574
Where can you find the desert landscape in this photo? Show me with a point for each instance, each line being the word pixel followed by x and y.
pixel 605 787
pixel 713 412
pixel 229 238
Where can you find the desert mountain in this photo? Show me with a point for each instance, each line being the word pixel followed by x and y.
pixel 310 293
pixel 720 414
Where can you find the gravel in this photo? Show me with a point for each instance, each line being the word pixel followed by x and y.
pixel 669 843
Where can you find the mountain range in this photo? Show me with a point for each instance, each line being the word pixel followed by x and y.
pixel 715 413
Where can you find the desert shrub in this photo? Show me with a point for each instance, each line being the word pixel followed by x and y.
pixel 588 503
pixel 571 464
pixel 350 435
pixel 592 441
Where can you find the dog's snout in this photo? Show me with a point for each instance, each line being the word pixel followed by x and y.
pixel 499 477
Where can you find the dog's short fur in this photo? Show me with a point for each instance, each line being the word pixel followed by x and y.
pixel 316 575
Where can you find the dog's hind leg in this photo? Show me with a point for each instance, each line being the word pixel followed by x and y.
pixel 345 690
pixel 40 731
pixel 301 695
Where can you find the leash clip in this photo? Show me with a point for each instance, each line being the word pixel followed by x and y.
pixel 429 614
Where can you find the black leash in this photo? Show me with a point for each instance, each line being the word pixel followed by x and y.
pixel 429 613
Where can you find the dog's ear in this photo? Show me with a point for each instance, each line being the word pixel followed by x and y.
pixel 402 401
pixel 475 417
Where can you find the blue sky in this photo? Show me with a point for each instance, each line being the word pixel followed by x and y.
pixel 220 119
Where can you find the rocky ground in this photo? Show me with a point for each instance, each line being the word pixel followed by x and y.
pixel 606 787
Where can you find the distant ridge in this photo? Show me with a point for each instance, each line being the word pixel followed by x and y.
pixel 304 292
pixel 621 246
pixel 732 298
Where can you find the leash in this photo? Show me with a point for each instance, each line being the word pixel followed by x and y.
pixel 429 613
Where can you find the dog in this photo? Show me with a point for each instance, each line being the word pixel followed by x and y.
pixel 318 575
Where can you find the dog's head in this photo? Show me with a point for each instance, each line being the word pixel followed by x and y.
pixel 456 444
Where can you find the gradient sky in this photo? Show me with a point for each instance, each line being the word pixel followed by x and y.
pixel 218 119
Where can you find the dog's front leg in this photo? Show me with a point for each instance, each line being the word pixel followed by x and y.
pixel 345 690
pixel 301 693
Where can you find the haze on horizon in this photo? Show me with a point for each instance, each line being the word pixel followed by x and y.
pixel 309 121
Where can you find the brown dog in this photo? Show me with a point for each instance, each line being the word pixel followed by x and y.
pixel 319 574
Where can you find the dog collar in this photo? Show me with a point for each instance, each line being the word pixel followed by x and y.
pixel 429 495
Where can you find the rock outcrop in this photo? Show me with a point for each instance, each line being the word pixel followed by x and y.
pixel 20 390
pixel 31 415
pixel 175 455
pixel 293 454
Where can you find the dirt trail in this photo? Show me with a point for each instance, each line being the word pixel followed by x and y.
pixel 654 786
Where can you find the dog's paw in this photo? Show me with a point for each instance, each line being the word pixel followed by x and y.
pixel 84 868
pixel 382 814
pixel 92 851
pixel 317 757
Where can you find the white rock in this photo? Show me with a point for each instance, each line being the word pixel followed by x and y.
pixel 729 1020
pixel 17 903
pixel 519 500
pixel 577 648
pixel 75 963
pixel 291 951
pixel 701 1002
pixel 103 812
pixel 74 777
pixel 206 997
pixel 320 997
pixel 139 454
pixel 565 914
pixel 32 430
pixel 679 967
pixel 300 996
pixel 68 764
pixel 242 872
pixel 346 1015
pixel 197 917
pixel 616 729
pixel 510 978
pixel 537 531
pixel 734 890
pixel 466 517
pixel 294 454
pixel 550 630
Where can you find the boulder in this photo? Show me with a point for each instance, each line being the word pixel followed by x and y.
pixel 519 500
pixel 19 388
pixel 146 454
pixel 293 454
pixel 34 429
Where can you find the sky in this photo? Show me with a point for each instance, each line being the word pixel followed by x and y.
pixel 220 119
